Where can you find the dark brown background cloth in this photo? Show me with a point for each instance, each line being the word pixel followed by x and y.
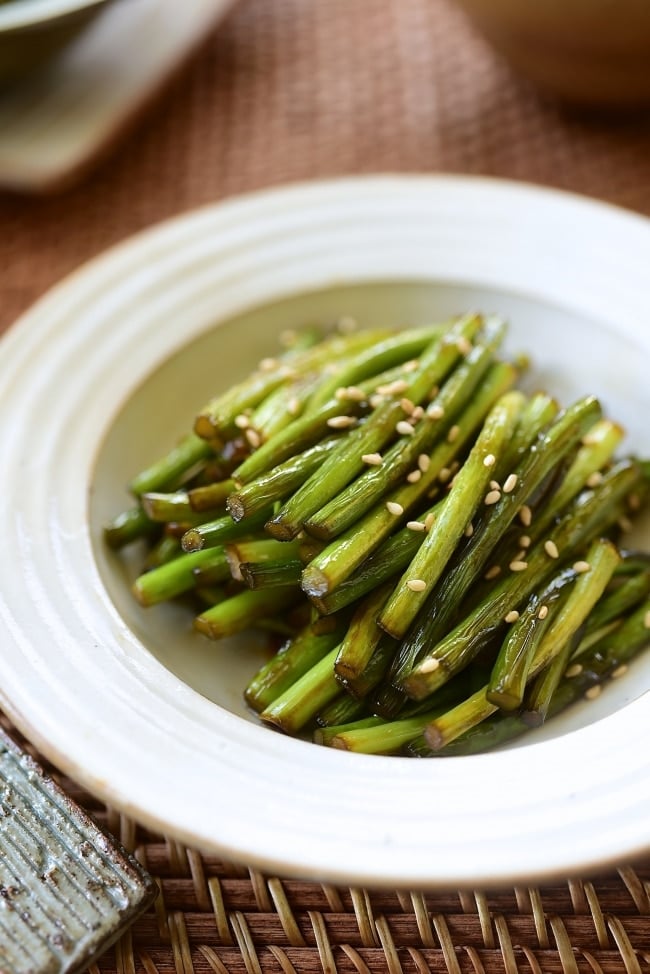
pixel 296 89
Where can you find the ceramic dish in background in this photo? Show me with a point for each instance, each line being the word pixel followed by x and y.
pixel 33 31
pixel 110 367
pixel 589 52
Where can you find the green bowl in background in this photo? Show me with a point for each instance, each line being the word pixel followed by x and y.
pixel 33 31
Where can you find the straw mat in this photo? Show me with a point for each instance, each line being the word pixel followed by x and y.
pixel 297 89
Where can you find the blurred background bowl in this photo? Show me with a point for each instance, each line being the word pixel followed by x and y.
pixel 590 52
pixel 33 31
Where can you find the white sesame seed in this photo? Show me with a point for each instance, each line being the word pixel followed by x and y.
pixel 518 566
pixel 414 476
pixel 595 479
pixel 510 483
pixel 376 400
pixel 646 620
pixel 242 421
pixel 407 406
pixel 436 411
pixel 341 422
pixel 429 665
pixel 395 388
pixel 543 612
pixel 373 459
pixel 492 572
pixel 619 671
pixel 417 414
pixel 429 520
pixel 411 365
pixel 634 502
pixel 404 428
pixel 469 530
pixel 253 437
pixel 580 567
pixel 525 515
pixel 424 462
pixel 550 548
pixel 452 435
pixel 512 616
pixel 525 541
pixel 416 525
pixel 346 324
pixel 350 392
pixel 521 555
pixel 444 475
pixel 394 508
pixel 268 364
pixel 293 406
pixel 574 670
pixel 433 392
pixel 594 691
pixel 492 497
pixel 489 460
pixel 464 345
pixel 416 584
pixel 495 485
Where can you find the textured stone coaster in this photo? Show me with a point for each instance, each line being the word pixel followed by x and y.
pixel 67 891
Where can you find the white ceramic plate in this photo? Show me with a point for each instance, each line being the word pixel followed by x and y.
pixel 109 368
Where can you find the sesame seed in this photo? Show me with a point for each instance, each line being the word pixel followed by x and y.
pixel 429 665
pixel 550 548
pixel 521 555
pixel 580 567
pixel 417 414
pixel 242 421
pixel 394 508
pixel 525 515
pixel 444 475
pixel 469 530
pixel 436 411
pixel 346 324
pixel 619 671
pixel 429 520
pixel 489 460
pixel 595 479
pixel 512 616
pixel 268 364
pixel 288 337
pixel 625 524
pixel 376 400
pixel 510 483
pixel 574 670
pixel 525 541
pixel 452 435
pixel 492 497
pixel 433 392
pixel 424 462
pixel 331 368
pixel 293 406
pixel 464 345
pixel 373 459
pixel 416 525
pixel 395 388
pixel 594 691
pixel 341 422
pixel 404 428
pixel 634 502
pixel 646 620
pixel 518 566
pixel 543 612
pixel 407 406
pixel 414 476
pixel 492 572
pixel 495 485
pixel 416 584
pixel 411 365
pixel 350 392
pixel 253 437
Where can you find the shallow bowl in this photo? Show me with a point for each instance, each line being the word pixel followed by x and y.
pixel 109 369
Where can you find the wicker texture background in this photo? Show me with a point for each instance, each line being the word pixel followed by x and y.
pixel 295 89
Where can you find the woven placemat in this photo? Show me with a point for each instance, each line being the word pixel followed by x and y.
pixel 298 89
